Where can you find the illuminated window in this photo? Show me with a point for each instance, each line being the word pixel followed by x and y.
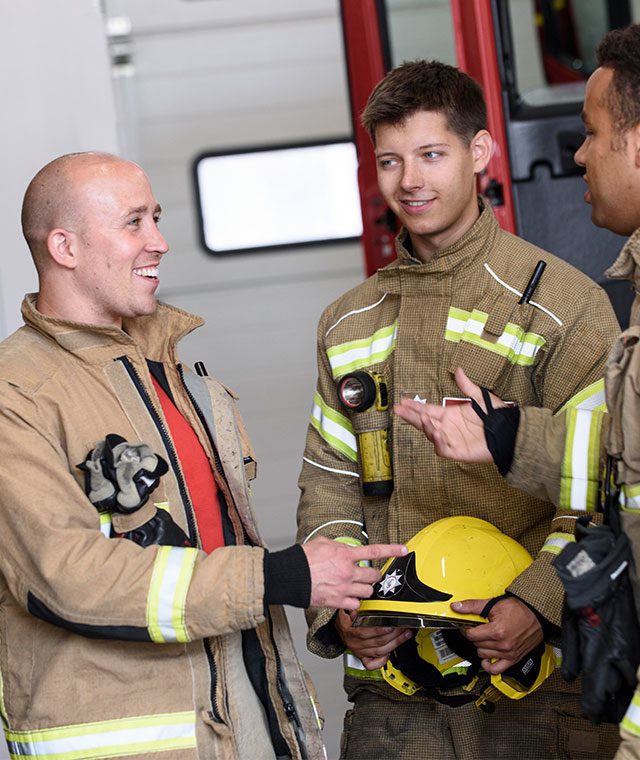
pixel 281 196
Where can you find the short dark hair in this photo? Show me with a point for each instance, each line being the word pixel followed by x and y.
pixel 620 50
pixel 427 86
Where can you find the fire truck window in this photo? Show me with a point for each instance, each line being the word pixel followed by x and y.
pixel 555 41
pixel 420 29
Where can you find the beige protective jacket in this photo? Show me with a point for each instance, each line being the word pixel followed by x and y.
pixel 549 450
pixel 416 323
pixel 108 649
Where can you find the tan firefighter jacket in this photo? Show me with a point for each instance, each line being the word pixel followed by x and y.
pixel 415 324
pixel 562 458
pixel 108 649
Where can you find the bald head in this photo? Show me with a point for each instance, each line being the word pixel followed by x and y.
pixel 54 197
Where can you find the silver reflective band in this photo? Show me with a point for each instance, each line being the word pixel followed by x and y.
pixel 103 739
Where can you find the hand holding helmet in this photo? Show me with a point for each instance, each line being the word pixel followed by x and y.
pixel 455 568
pixel 371 645
pixel 512 631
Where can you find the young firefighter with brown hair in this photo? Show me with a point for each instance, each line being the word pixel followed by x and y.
pixel 133 626
pixel 561 457
pixel 451 299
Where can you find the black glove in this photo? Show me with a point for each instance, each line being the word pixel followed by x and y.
pixel 119 476
pixel 160 529
pixel 600 632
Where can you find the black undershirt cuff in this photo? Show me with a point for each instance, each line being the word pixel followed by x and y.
pixel 500 431
pixel 287 577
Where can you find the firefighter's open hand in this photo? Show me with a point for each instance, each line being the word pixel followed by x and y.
pixel 456 431
pixel 512 632
pixel 337 580
pixel 371 645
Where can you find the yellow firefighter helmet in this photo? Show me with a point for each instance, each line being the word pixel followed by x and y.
pixel 453 559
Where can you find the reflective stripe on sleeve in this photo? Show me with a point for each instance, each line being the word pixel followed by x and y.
pixel 590 398
pixel 515 344
pixel 3 709
pixel 631 720
pixel 579 473
pixel 350 541
pixel 334 427
pixel 110 738
pixel 167 598
pixel 630 498
pixel 556 542
pixel 354 667
pixel 356 354
pixel 105 524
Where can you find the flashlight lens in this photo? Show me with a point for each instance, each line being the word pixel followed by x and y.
pixel 352 392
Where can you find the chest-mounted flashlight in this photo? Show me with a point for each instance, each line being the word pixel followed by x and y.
pixel 360 392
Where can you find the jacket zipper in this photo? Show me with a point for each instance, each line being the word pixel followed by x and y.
pixel 287 703
pixel 166 439
pixel 135 378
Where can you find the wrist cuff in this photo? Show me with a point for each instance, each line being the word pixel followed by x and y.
pixel 500 431
pixel 287 578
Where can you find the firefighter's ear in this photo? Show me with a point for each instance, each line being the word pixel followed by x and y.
pixel 61 247
pixel 481 149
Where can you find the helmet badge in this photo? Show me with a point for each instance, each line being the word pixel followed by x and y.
pixel 390 584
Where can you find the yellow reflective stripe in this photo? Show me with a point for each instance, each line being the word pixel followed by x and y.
pixel 631 720
pixel 356 354
pixel 316 713
pixel 354 667
pixel 630 498
pixel 167 598
pixel 556 542
pixel 579 473
pixel 590 398
pixel 350 541
pixel 3 709
pixel 334 427
pixel 110 738
pixel 515 344
pixel 105 524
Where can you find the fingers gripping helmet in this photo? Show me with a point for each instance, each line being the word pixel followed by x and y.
pixel 452 559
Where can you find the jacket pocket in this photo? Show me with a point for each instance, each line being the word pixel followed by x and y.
pixel 493 341
pixel 578 739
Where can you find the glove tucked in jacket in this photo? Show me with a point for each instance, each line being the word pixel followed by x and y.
pixel 119 478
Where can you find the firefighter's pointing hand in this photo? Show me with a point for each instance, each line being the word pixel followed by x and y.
pixel 337 578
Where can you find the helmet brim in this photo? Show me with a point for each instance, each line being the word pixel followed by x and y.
pixel 396 619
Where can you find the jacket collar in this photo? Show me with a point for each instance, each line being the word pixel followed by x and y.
pixel 154 337
pixel 627 267
pixel 478 240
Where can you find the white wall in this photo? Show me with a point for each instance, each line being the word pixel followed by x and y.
pixel 57 98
